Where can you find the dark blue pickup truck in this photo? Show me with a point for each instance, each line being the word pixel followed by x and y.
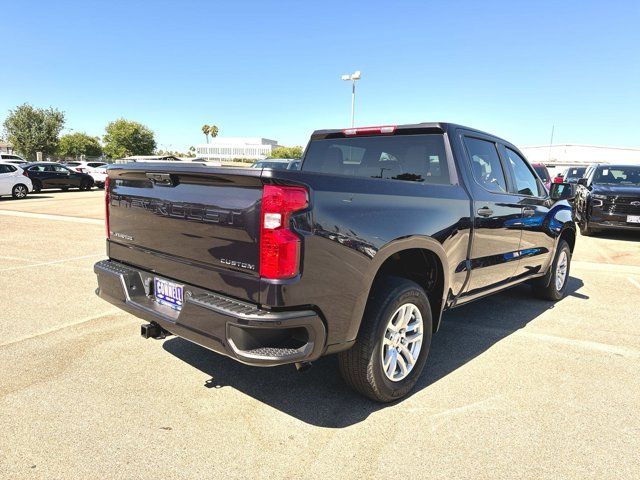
pixel 358 253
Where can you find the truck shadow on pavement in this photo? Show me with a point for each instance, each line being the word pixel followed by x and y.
pixel 320 397
pixel 630 236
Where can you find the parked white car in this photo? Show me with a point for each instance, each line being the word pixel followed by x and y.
pixel 13 181
pixel 97 170
pixel 99 176
pixel 12 158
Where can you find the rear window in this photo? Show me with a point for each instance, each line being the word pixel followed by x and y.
pixel 416 158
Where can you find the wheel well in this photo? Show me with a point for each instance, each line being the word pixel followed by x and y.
pixel 423 267
pixel 569 235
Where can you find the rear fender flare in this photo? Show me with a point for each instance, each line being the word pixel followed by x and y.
pixel 407 243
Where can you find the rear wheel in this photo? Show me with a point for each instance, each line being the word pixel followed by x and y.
pixel 554 285
pixel 19 191
pixel 393 343
pixel 37 186
pixel 64 189
pixel 85 185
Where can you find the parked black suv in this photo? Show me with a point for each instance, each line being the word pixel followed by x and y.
pixel 608 197
pixel 357 253
pixel 45 175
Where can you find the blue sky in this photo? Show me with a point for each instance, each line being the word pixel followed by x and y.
pixel 273 69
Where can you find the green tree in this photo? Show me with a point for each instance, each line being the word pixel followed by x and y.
pixel 124 138
pixel 213 131
pixel 206 129
pixel 75 144
pixel 32 129
pixel 286 152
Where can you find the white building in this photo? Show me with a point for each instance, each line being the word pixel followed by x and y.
pixel 228 148
pixel 569 154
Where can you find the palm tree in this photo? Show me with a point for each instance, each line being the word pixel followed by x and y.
pixel 206 129
pixel 213 130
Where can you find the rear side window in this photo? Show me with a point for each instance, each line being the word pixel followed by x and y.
pixel 526 182
pixel 485 164
pixel 416 158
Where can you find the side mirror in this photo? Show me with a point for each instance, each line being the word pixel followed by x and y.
pixel 582 181
pixel 563 191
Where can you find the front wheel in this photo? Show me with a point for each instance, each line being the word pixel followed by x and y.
pixel 585 229
pixel 558 278
pixel 393 343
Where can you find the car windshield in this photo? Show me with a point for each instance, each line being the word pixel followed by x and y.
pixel 575 172
pixel 611 175
pixel 542 173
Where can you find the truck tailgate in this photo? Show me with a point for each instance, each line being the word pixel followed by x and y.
pixel 189 223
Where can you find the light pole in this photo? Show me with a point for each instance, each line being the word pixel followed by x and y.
pixel 353 77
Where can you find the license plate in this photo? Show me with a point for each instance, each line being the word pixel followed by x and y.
pixel 633 218
pixel 168 293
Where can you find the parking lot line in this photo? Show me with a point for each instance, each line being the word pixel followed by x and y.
pixel 61 327
pixel 634 282
pixel 6 257
pixel 52 262
pixel 46 216
pixel 558 339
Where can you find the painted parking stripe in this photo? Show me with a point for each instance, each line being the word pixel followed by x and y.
pixel 46 216
pixel 54 262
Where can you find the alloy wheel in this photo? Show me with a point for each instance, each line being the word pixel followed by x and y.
pixel 402 342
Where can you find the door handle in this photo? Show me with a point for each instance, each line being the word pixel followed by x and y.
pixel 528 211
pixel 485 212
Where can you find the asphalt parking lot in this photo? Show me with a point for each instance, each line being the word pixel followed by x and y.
pixel 514 387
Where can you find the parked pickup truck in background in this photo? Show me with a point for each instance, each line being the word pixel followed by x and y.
pixel 608 197
pixel 358 253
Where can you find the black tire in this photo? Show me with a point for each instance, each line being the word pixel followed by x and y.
pixel 64 189
pixel 37 186
pixel 85 185
pixel 547 288
pixel 19 191
pixel 361 366
pixel 585 229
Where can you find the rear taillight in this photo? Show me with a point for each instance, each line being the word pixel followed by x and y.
pixel 385 129
pixel 24 172
pixel 279 246
pixel 107 199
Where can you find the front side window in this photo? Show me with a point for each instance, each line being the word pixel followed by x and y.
pixel 526 182
pixel 485 164
pixel 4 169
pixel 61 169
pixel 416 158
